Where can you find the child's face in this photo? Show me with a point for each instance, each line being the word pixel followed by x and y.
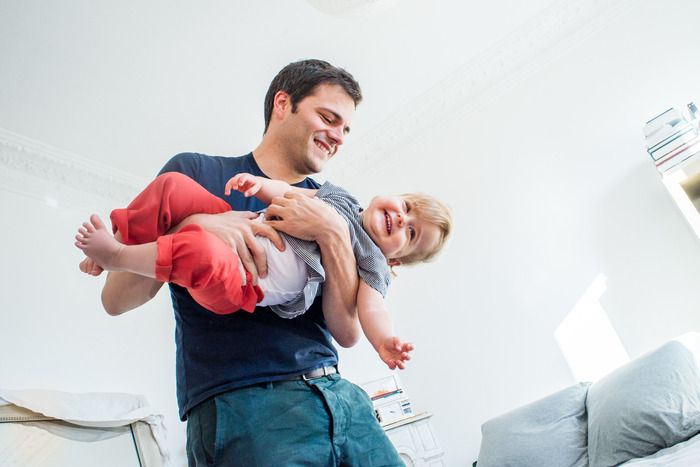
pixel 397 231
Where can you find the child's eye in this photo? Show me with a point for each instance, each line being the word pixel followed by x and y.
pixel 412 232
pixel 406 206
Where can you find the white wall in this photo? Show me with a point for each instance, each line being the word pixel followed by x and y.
pixel 54 333
pixel 550 185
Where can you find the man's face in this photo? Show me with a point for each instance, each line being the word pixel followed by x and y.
pixel 314 133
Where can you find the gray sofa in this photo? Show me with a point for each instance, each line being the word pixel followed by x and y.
pixel 646 413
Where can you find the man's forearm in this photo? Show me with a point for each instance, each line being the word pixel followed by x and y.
pixel 340 287
pixel 124 291
pixel 311 219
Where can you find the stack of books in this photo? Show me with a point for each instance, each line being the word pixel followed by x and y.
pixel 671 139
pixel 389 400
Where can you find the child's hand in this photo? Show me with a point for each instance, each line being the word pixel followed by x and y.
pixel 395 353
pixel 245 183
pixel 89 266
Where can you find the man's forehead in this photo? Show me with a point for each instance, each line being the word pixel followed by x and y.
pixel 332 92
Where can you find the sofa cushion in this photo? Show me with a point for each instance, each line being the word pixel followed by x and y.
pixel 550 432
pixel 649 404
pixel 682 454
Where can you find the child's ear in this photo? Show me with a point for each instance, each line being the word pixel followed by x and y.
pixel 393 262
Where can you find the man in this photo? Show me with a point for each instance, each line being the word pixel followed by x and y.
pixel 256 389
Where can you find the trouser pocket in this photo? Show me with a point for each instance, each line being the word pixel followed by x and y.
pixel 201 434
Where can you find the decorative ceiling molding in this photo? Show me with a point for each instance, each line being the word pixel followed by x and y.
pixel 522 52
pixel 29 159
pixel 352 8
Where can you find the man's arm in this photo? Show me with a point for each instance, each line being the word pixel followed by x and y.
pixel 311 219
pixel 124 291
pixel 340 287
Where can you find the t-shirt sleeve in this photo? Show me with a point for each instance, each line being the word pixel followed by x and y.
pixel 185 163
pixel 373 269
pixel 339 198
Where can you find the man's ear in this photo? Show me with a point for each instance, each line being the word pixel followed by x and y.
pixel 393 262
pixel 281 103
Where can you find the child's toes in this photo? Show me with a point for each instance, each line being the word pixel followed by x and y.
pixel 97 222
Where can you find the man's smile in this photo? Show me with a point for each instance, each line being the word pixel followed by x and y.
pixel 323 146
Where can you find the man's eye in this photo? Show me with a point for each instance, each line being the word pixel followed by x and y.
pixel 326 119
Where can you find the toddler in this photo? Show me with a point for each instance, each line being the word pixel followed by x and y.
pixel 391 231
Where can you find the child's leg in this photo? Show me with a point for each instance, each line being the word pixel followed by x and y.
pixel 163 204
pixel 192 258
pixel 208 268
pixel 101 246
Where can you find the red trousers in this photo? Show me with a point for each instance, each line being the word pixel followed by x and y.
pixel 192 258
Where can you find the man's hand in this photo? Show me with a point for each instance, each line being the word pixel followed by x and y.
pixel 311 219
pixel 395 353
pixel 238 230
pixel 304 217
pixel 89 266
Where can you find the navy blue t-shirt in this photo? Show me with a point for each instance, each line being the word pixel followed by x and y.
pixel 217 353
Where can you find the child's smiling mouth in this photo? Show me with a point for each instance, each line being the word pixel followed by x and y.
pixel 387 219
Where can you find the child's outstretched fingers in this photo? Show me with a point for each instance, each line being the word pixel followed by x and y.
pixel 232 184
pixel 245 183
pixel 395 353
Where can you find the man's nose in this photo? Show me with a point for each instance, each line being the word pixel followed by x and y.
pixel 336 136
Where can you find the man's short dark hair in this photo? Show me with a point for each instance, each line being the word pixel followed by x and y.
pixel 300 79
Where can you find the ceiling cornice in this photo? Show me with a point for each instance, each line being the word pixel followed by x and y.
pixel 25 161
pixel 523 52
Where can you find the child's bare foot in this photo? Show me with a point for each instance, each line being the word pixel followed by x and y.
pixel 98 243
pixel 89 266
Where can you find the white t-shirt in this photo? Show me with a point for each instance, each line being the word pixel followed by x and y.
pixel 286 273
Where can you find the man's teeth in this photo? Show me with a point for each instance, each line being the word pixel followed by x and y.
pixel 322 147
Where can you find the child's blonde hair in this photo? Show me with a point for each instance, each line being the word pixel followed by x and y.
pixel 434 212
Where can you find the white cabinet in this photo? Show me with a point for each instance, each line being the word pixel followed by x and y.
pixel 683 183
pixel 416 442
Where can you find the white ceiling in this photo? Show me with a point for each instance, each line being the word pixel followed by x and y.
pixel 127 84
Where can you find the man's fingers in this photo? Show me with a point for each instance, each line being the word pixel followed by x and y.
pixel 246 259
pixel 258 253
pixel 280 201
pixel 243 214
pixel 273 212
pixel 249 265
pixel 247 214
pixel 241 271
pixel 270 233
pixel 254 254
